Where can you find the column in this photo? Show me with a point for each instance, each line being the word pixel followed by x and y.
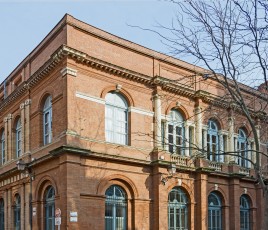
pixel 157 122
pixel 198 127
pixel 230 139
pixel 187 139
pixel 28 197
pixel 257 155
pixel 221 147
pixel 27 126
pixel 9 215
pixel 22 118
pixel 202 201
pixel 6 139
pixel 22 207
pixel 9 137
pixel 205 140
pixel 6 207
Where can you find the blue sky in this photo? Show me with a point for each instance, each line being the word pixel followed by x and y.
pixel 25 23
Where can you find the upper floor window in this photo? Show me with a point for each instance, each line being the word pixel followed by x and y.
pixel 47 121
pixel 242 148
pixel 3 150
pixel 18 138
pixel 175 132
pixel 213 142
pixel 17 212
pixel 116 118
pixel 244 213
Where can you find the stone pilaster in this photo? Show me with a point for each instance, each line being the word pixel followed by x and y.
pixel 198 127
pixel 27 126
pixel 22 118
pixel 230 139
pixel 157 121
pixel 10 153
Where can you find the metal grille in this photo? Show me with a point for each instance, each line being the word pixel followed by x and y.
pixel 115 208
pixel 177 210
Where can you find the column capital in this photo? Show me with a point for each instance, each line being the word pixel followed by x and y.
pixel 28 102
pixel 22 106
pixel 9 116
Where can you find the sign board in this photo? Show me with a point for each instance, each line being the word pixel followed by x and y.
pixel 73 219
pixel 34 211
pixel 57 212
pixel 73 216
pixel 58 221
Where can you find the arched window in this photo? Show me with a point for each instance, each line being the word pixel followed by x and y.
pixel 244 213
pixel 242 148
pixel 49 208
pixel 175 132
pixel 3 150
pixel 116 119
pixel 18 138
pixel 17 212
pixel 115 208
pixel 47 121
pixel 2 214
pixel 214 212
pixel 177 210
pixel 213 142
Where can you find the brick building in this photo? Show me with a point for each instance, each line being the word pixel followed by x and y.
pixel 118 136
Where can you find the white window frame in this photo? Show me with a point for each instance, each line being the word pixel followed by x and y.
pixel 214 213
pixel 213 133
pixel 18 138
pixel 47 121
pixel 175 133
pixel 242 149
pixel 3 148
pixel 118 132
pixel 244 213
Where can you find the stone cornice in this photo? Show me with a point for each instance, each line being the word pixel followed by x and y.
pixel 67 52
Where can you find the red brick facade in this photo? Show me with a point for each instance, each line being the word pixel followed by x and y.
pixel 78 66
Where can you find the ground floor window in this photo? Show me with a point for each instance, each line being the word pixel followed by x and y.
pixel 244 213
pixel 115 208
pixel 177 210
pixel 50 208
pixel 214 212
pixel 17 212
pixel 2 214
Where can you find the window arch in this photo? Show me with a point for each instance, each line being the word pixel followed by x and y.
pixel 17 212
pixel 175 132
pixel 3 148
pixel 242 148
pixel 214 212
pixel 18 138
pixel 244 213
pixel 177 209
pixel 213 142
pixel 2 214
pixel 115 208
pixel 47 121
pixel 50 208
pixel 116 118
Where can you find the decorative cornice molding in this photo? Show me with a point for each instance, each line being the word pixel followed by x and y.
pixel 67 52
pixel 67 70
